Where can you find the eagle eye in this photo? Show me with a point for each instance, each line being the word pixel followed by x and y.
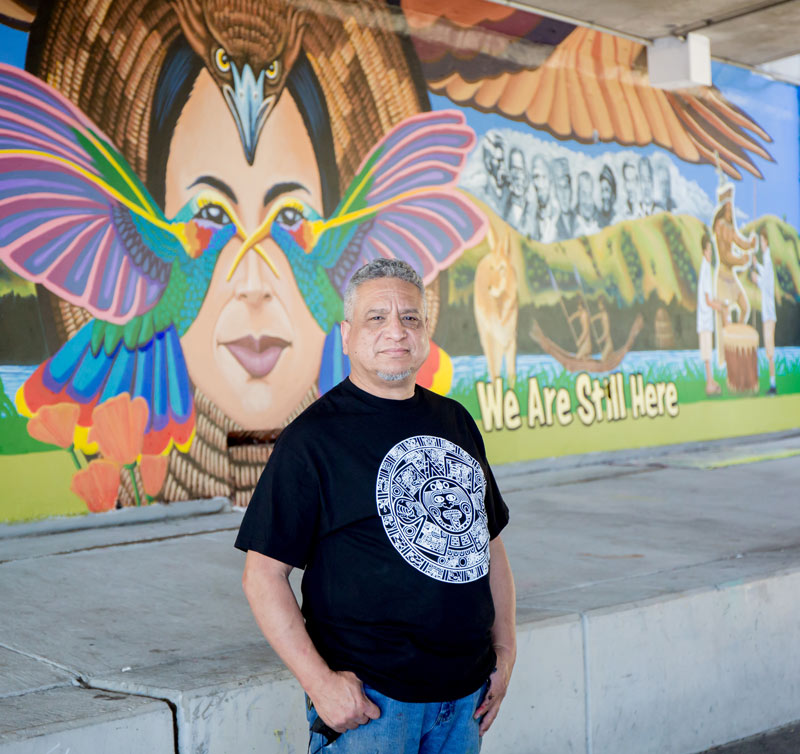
pixel 273 70
pixel 222 60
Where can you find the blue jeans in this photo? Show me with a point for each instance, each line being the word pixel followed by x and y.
pixel 408 728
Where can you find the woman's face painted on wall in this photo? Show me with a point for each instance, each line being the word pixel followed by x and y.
pixel 254 348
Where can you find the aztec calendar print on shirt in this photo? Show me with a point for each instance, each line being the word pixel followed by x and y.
pixel 430 498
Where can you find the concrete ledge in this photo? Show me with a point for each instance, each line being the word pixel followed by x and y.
pixel 72 719
pixel 121 517
pixel 686 673
pixel 670 675
pixel 655 612
pixel 243 701
pixel 674 674
pixel 544 710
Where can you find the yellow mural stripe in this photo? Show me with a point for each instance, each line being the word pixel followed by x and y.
pixel 122 172
pixel 752 459
pixel 706 420
pixel 36 485
pixel 349 217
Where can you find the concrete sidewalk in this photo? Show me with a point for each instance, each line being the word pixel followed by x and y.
pixel 785 740
pixel 657 612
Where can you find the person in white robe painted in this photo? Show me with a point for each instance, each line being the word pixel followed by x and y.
pixel 706 304
pixel 763 276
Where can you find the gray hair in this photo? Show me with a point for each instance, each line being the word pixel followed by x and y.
pixel 382 268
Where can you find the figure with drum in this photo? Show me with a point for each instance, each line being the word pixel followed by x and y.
pixel 737 342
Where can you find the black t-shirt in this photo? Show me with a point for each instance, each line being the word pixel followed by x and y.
pixel 389 506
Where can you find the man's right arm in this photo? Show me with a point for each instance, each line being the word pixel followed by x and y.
pixel 337 696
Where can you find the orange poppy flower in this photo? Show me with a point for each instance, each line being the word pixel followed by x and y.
pixel 154 471
pixel 97 485
pixel 55 424
pixel 118 426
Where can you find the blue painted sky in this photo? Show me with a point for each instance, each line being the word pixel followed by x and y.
pixel 13 44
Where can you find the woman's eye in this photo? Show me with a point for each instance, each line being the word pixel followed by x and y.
pixel 214 213
pixel 289 217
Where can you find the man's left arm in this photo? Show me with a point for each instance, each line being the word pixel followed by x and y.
pixel 745 244
pixel 504 632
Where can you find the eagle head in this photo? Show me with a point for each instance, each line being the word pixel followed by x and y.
pixel 248 48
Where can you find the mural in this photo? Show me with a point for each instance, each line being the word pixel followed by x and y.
pixel 186 188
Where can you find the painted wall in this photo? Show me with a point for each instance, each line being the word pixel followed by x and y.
pixel 183 198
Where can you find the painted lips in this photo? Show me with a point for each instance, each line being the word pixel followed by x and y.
pixel 258 356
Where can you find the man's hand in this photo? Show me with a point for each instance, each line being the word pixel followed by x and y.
pixel 338 697
pixel 498 685
pixel 341 702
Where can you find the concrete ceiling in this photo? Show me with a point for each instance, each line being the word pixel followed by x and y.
pixel 747 33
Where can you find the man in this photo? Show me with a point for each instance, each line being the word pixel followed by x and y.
pixel 517 211
pixel 647 203
pixel 586 223
pixel 665 187
pixel 382 492
pixel 493 159
pixel 630 182
pixel 563 184
pixel 763 275
pixel 547 209
pixel 608 197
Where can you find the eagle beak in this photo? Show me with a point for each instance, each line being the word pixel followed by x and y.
pixel 248 105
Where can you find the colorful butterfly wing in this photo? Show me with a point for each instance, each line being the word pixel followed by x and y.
pixel 73 216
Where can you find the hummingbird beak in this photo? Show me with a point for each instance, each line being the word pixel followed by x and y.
pixel 248 105
pixel 251 242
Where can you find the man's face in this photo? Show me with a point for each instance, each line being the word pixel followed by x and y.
pixel 386 336
pixel 519 176
pixel 564 191
pixel 541 181
pixel 493 161
pixel 499 156
pixel 606 195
